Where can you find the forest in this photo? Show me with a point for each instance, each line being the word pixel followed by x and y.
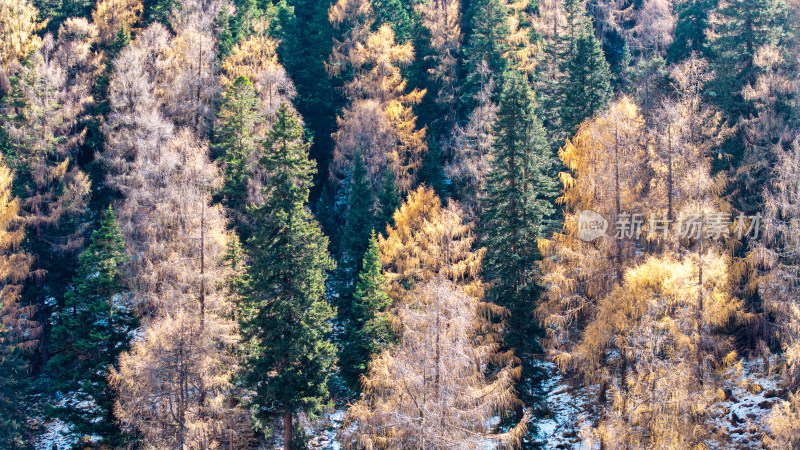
pixel 399 224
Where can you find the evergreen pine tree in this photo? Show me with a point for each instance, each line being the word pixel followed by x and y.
pixel 369 330
pixel 388 200
pixel 587 87
pixel 690 30
pixel 486 41
pixel 397 14
pixel 13 376
pixel 236 145
pixel 355 234
pixel 286 315
pixel 744 27
pixel 94 329
pixel 518 206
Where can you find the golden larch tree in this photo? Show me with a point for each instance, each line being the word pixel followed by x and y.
pixel 111 16
pixel 14 268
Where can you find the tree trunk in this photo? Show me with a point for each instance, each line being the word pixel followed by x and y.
pixel 287 430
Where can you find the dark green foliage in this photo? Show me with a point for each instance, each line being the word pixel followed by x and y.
pixel 157 11
pixel 587 86
pixel 369 329
pixel 573 79
pixel 519 203
pixel 235 258
pixel 355 234
pixel 388 201
pixel 236 145
pixel 234 27
pixel 57 11
pixel 285 316
pixel 519 208
pixel 93 329
pixel 691 30
pixel 13 393
pixel 285 158
pixel 398 14
pixel 306 43
pixel 432 171
pixel 486 40
pixel 102 195
pixel 324 212
pixel 745 26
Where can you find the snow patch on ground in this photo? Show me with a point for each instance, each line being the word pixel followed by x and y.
pixel 568 409
pixel 56 436
pixel 751 397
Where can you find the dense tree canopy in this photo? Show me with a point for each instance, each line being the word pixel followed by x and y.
pixel 399 224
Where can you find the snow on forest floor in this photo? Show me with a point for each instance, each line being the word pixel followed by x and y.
pixel 748 404
pixel 750 397
pixel 569 409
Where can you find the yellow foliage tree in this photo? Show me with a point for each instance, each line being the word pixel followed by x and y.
pixel 18 26
pixel 14 268
pixel 426 242
pixel 256 59
pixel 644 344
pixel 606 163
pixel 110 16
pixel 431 391
pixel 379 123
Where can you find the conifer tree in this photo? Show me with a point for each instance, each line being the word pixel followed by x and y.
pixel 380 122
pixel 13 393
pixel 286 315
pixel 486 40
pixel 670 397
pixel 587 87
pixel 369 330
pixel 519 203
pixel 428 241
pixel 430 391
pixel 606 168
pixel 113 16
pixel 94 328
pixel 471 157
pixel 691 30
pixel 45 116
pixel 18 22
pixel 18 332
pixel 15 263
pixel 189 335
pixel 256 58
pixel 443 19
pixel 358 220
pixel 388 200
pixel 743 27
pixel 239 131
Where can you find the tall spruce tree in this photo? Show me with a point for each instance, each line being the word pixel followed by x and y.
pixel 369 329
pixel 388 200
pixel 587 87
pixel 486 40
pixel 357 223
pixel 744 26
pixel 519 204
pixel 13 382
pixel 95 327
pixel 286 315
pixel 691 30
pixel 237 145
